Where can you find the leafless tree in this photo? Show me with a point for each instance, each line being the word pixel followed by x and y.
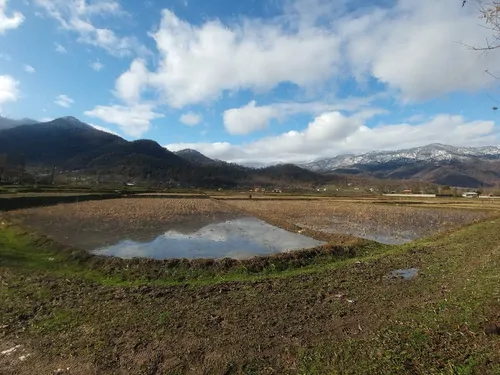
pixel 489 13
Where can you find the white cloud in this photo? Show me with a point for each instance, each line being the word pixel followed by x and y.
pixel 130 84
pixel 9 22
pixel 9 91
pixel 191 119
pixel 251 117
pixel 198 63
pixel 332 133
pixel 46 119
pixel 417 47
pixel 77 16
pixel 411 47
pixel 60 48
pixel 64 101
pixel 104 129
pixel 29 69
pixel 97 66
pixel 133 120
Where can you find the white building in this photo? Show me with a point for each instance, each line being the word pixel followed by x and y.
pixel 470 194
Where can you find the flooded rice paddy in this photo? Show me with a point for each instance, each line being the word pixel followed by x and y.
pixel 239 239
pixel 388 224
pixel 161 229
pixel 204 228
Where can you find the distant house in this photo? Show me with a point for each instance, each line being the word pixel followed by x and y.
pixel 407 191
pixel 470 194
pixel 130 184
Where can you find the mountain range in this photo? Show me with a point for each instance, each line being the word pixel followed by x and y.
pixel 76 148
pixel 73 146
pixel 438 163
pixel 7 123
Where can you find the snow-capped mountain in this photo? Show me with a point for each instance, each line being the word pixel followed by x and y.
pixel 433 153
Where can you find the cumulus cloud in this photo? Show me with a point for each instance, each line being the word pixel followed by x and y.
pixel 417 47
pixel 134 120
pixel 64 101
pixel 252 117
pixel 9 89
pixel 11 20
pixel 77 16
pixel 59 48
pixel 249 118
pixel 413 50
pixel 333 133
pixel 201 62
pixel 191 119
pixel 130 84
pixel 29 69
pixel 97 66
pixel 413 47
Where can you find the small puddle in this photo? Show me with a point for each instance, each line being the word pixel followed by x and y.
pixel 406 274
pixel 239 239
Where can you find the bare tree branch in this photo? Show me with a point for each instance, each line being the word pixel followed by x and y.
pixel 490 15
pixel 488 72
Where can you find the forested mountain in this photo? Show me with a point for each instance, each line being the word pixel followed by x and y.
pixel 73 147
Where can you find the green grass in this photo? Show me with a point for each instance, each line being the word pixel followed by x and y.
pixel 22 250
pixel 280 319
pixel 434 337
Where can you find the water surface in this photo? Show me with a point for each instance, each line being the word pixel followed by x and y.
pixel 406 274
pixel 239 238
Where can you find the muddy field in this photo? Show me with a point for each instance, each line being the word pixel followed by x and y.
pixel 164 228
pixel 93 224
pixel 425 308
pixel 392 224
pixel 161 229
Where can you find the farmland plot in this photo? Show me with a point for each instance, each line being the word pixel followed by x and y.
pixel 389 224
pixel 161 229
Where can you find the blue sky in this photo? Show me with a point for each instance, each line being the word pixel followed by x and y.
pixel 254 80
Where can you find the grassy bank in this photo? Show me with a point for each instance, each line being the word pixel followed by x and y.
pixel 336 313
pixel 31 251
